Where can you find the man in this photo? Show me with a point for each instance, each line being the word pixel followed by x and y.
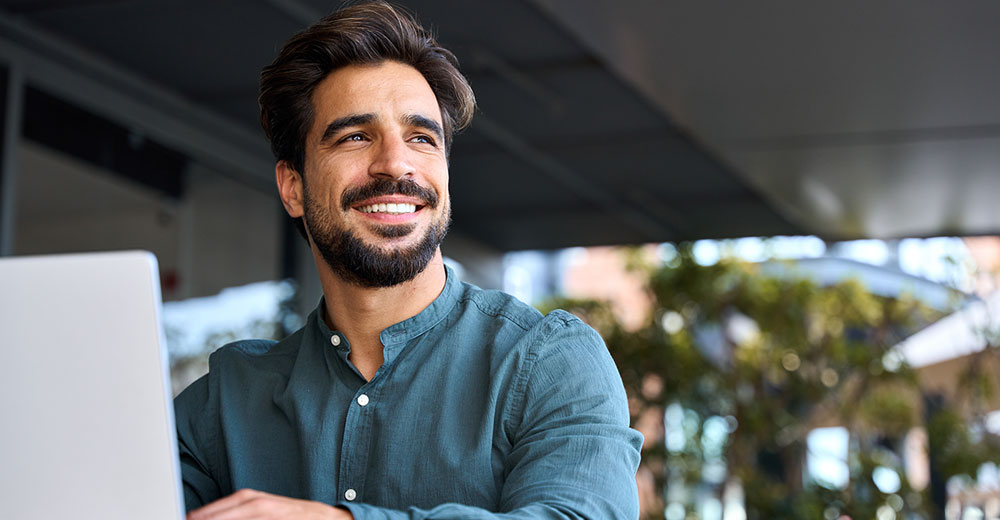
pixel 407 394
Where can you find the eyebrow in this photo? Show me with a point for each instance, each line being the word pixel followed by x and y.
pixel 425 123
pixel 339 124
pixel 419 121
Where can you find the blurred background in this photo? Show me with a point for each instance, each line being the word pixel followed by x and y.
pixel 781 216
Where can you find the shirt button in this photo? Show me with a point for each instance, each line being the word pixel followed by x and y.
pixel 363 400
pixel 350 495
pixel 335 340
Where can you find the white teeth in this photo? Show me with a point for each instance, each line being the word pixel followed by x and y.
pixel 390 208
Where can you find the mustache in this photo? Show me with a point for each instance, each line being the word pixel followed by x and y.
pixel 383 186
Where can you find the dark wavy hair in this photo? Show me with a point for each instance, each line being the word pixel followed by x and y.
pixel 362 33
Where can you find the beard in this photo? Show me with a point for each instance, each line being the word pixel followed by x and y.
pixel 369 265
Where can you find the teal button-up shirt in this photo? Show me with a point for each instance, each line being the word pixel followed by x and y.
pixel 483 409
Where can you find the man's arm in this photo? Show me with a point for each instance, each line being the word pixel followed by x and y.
pixel 199 486
pixel 247 503
pixel 202 492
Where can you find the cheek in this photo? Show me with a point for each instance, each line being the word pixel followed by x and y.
pixel 437 173
pixel 334 176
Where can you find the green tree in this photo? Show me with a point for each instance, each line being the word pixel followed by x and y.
pixel 749 363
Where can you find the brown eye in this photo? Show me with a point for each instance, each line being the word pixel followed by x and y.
pixel 352 137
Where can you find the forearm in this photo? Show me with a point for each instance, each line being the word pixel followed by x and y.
pixel 462 512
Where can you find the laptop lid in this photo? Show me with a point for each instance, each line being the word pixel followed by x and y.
pixel 84 390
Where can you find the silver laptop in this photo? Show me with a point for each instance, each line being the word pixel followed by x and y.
pixel 87 419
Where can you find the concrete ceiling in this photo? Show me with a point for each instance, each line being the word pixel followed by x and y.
pixel 605 125
pixel 854 118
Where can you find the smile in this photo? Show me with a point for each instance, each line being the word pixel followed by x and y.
pixel 392 209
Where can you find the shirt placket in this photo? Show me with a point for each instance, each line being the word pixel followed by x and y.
pixel 356 444
pixel 357 439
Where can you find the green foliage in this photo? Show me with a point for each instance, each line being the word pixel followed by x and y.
pixel 775 357
pixel 953 444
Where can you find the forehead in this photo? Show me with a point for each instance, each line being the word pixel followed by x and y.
pixel 388 90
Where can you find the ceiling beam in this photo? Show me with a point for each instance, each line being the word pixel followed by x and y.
pixel 648 227
pixel 296 11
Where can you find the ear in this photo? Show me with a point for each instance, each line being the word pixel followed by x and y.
pixel 289 188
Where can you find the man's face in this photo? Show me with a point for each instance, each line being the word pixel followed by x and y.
pixel 375 188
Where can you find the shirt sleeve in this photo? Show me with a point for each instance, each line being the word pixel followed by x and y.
pixel 190 406
pixel 573 454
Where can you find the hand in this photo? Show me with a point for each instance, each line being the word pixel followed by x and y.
pixel 248 503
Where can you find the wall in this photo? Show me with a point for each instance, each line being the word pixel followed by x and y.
pixel 220 234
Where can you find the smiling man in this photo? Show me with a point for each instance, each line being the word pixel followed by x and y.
pixel 407 394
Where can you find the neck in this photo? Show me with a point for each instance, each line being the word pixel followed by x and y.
pixel 362 313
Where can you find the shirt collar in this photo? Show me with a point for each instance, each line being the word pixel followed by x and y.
pixel 402 332
pixel 398 335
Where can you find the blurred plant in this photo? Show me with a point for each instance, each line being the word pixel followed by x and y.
pixel 745 365
pixel 958 437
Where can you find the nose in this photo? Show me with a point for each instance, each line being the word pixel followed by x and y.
pixel 392 159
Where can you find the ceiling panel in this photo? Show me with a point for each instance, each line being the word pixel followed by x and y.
pixel 853 118
pixel 564 152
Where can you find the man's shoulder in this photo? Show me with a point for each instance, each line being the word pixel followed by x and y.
pixel 502 306
pixel 256 353
pixel 247 348
pixel 499 305
pixel 241 361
